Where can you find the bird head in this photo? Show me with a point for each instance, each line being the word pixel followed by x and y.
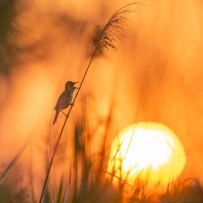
pixel 70 85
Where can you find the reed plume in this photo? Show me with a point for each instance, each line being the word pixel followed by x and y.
pixel 113 30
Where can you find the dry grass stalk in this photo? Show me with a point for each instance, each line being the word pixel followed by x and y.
pixel 105 39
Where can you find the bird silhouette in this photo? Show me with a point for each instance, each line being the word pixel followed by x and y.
pixel 64 99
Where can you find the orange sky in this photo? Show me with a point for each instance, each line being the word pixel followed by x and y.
pixel 156 74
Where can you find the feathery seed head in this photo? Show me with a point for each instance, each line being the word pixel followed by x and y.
pixel 107 36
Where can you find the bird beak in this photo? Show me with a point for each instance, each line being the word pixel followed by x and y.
pixel 75 83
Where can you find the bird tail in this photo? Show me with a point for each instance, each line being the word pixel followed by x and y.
pixel 56 116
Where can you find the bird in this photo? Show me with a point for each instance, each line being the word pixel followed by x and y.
pixel 64 99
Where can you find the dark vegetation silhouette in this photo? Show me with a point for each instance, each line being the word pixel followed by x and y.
pixel 86 180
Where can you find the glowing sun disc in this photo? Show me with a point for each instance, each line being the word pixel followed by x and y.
pixel 149 150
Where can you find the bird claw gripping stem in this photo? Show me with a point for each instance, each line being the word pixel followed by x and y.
pixel 64 113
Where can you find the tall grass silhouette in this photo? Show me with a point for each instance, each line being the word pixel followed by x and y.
pixel 86 180
pixel 103 39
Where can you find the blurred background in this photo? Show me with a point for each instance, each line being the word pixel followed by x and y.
pixel 155 76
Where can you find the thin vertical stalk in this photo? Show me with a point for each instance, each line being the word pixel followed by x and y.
pixel 56 146
pixel 105 39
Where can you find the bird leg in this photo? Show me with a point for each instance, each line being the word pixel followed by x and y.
pixel 63 113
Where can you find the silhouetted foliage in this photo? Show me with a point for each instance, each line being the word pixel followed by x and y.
pixel 8 13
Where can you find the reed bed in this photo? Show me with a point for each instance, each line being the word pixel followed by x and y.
pixel 86 178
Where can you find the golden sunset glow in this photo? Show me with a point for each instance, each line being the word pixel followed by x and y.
pixel 148 149
pixel 132 130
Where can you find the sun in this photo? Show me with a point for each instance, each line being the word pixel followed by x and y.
pixel 148 150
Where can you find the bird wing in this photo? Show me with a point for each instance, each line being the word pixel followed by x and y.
pixel 61 98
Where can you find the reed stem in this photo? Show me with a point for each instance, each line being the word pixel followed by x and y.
pixel 105 39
